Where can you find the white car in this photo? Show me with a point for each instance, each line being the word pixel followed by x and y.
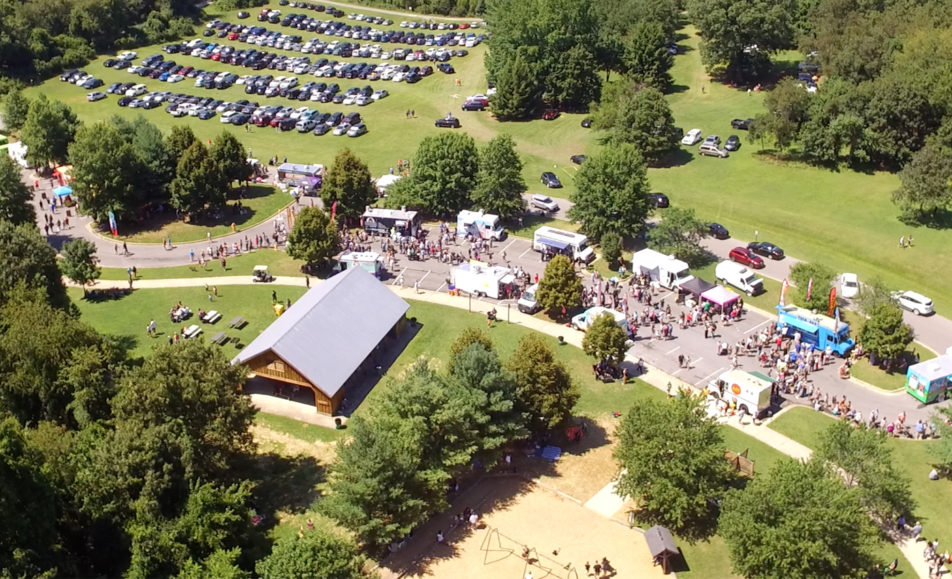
pixel 127 55
pixel 228 117
pixel 914 302
pixel 136 90
pixel 341 129
pixel 691 137
pixel 175 78
pixel 544 202
pixel 849 285
pixel 382 93
pixel 95 96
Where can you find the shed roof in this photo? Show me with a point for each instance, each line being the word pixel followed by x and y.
pixel 660 541
pixel 331 329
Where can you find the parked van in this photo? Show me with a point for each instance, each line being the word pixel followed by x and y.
pixel 555 241
pixel 668 271
pixel 739 276
pixel 584 320
pixel 527 301
pixel 480 225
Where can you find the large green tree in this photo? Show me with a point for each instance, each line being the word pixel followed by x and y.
pixel 739 35
pixel 673 466
pixel 864 459
pixel 47 131
pixel 560 288
pixel 605 339
pixel 545 391
pixel 80 263
pixel 798 521
pixel 106 171
pixel 680 233
pixel 884 335
pixel 444 172
pixel 637 115
pixel 499 182
pixel 179 140
pixel 611 194
pixel 822 278
pixel 298 557
pixel 349 185
pixel 517 89
pixel 926 183
pixel 645 58
pixel 227 152
pixel 787 110
pixel 15 109
pixel 198 181
pixel 314 237
pixel 16 201
pixel 28 259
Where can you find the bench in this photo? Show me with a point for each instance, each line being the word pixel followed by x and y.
pixel 238 322
pixel 192 331
pixel 220 338
pixel 211 317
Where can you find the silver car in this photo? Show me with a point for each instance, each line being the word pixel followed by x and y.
pixel 544 202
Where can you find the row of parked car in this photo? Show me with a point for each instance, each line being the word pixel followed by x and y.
pixel 264 37
pixel 711 147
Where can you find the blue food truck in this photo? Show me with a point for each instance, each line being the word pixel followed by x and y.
pixel 817 330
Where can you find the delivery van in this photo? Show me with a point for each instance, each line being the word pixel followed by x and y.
pixel 556 241
pixel 739 276
pixel 527 301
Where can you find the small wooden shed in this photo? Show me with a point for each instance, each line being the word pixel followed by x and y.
pixel 662 547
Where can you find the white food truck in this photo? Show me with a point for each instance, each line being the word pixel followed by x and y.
pixel 555 241
pixel 482 279
pixel 668 271
pixel 748 391
pixel 480 225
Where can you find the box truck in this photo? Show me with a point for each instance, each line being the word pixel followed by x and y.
pixel 817 330
pixel 480 225
pixel 668 271
pixel 739 276
pixel 482 279
pixel 555 241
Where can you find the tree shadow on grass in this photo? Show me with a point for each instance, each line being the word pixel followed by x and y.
pixel 284 483
pixel 938 218
pixel 675 158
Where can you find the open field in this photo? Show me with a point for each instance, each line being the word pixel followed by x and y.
pixel 911 456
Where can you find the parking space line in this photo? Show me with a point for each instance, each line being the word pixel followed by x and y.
pixel 705 379
pixel 521 255
pixel 424 277
pixel 441 286
pixel 511 242
pixel 758 325
pixel 397 277
pixel 669 352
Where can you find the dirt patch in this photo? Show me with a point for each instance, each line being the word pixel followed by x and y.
pixel 273 441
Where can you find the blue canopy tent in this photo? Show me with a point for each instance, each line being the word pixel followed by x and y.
pixel 63 191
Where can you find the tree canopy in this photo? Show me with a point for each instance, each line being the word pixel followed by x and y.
pixel 79 262
pixel 443 175
pixel 680 233
pixel 106 171
pixel 16 200
pixel 348 184
pixel 313 238
pixel 673 466
pixel 47 131
pixel 796 520
pixel 297 557
pixel 605 340
pixel 637 115
pixel 499 182
pixel 885 335
pixel 821 278
pixel 560 288
pixel 545 391
pixel 29 260
pixel 612 193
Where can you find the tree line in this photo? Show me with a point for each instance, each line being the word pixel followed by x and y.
pixel 549 53
pixel 41 37
pixel 123 166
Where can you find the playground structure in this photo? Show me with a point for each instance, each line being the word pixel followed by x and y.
pixel 497 547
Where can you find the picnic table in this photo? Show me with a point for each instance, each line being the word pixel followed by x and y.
pixel 237 322
pixel 211 317
pixel 220 338
pixel 192 331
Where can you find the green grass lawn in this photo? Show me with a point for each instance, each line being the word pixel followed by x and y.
pixel 911 456
pixel 128 317
pixel 278 263
pixel 300 430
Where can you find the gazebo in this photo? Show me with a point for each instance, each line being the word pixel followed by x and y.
pixel 720 296
pixel 662 547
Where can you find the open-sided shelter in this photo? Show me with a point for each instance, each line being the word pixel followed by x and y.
pixel 662 547
pixel 325 338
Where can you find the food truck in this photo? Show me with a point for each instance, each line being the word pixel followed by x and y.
pixel 369 260
pixel 479 225
pixel 482 279
pixel 816 330
pixel 748 391
pixel 931 380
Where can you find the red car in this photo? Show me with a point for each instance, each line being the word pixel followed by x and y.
pixel 746 257
pixel 550 115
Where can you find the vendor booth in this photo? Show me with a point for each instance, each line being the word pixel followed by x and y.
pixel 931 380
pixel 695 287
pixel 720 296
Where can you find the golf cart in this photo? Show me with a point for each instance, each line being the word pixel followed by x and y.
pixel 261 273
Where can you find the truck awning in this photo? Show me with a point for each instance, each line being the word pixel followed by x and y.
pixel 553 243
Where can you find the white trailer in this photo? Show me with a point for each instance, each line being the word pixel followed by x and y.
pixel 482 279
pixel 747 391
pixel 668 271
pixel 479 224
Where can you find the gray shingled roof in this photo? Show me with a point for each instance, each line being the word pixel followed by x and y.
pixel 331 329
pixel 660 541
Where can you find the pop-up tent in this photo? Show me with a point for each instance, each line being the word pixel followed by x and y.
pixel 720 295
pixel 696 286
pixel 63 191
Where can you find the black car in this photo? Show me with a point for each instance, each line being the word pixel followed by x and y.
pixel 659 200
pixel 718 231
pixel 474 105
pixel 587 123
pixel 109 62
pixel 550 180
pixel 765 249
pixel 578 159
pixel 449 122
pixel 732 143
pixel 741 124
pixel 243 15
pixel 124 101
